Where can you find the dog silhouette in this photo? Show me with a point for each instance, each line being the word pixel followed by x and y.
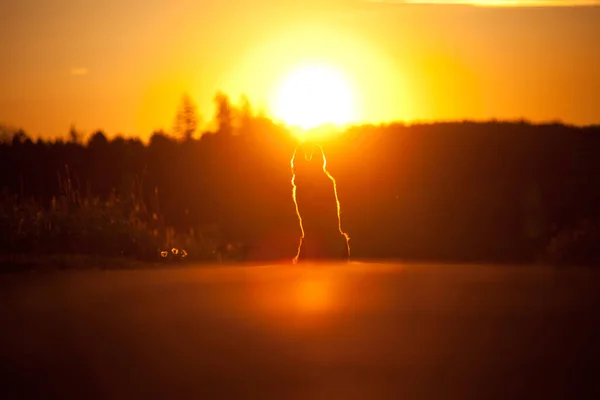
pixel 317 207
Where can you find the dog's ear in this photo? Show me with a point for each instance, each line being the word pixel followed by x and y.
pixel 298 159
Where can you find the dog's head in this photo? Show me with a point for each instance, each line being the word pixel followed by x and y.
pixel 308 158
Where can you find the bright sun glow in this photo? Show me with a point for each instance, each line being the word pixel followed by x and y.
pixel 314 95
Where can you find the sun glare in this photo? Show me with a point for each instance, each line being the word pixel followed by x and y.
pixel 314 95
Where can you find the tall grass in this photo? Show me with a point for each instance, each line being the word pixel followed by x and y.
pixel 76 223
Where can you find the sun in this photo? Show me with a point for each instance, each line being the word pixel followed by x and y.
pixel 313 95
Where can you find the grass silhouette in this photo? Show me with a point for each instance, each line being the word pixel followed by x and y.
pixel 73 225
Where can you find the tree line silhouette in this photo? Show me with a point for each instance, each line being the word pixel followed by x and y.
pixel 495 191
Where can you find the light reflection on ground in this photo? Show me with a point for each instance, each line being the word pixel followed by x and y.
pixel 358 330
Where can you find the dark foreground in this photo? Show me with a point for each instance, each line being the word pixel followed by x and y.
pixel 364 331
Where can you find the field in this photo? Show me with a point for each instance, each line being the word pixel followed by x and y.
pixel 361 330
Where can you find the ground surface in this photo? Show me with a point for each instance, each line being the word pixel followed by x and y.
pixel 368 331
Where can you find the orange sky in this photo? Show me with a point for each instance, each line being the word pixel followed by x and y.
pixel 122 66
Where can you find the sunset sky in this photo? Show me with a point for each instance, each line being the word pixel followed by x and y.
pixel 122 66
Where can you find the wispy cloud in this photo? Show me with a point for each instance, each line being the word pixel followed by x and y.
pixel 79 71
pixel 496 3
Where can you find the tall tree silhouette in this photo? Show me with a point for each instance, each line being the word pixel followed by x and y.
pixel 6 133
pixel 224 114
pixel 98 140
pixel 186 120
pixel 74 136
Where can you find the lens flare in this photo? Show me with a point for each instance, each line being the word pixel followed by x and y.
pixel 337 201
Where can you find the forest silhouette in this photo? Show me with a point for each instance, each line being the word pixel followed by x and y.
pixel 495 191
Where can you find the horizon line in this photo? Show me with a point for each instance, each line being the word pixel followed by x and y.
pixel 11 132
